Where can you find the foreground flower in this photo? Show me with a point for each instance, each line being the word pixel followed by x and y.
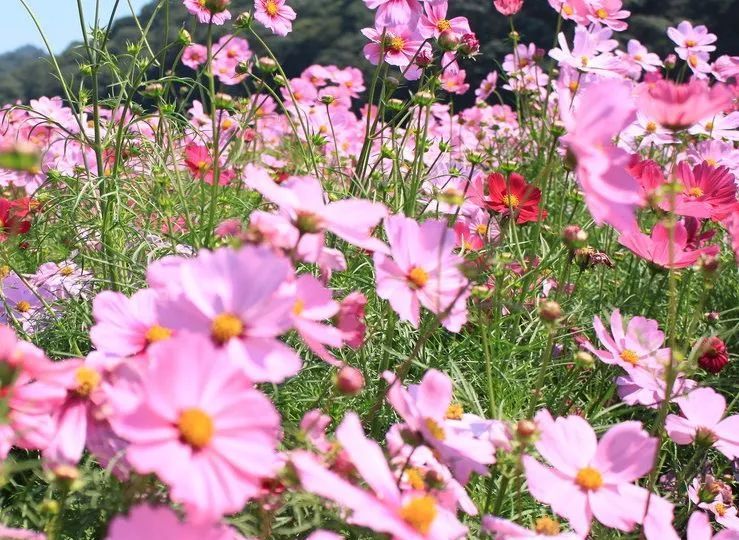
pixel 591 479
pixel 275 15
pixel 656 248
pixel 679 106
pixel 384 509
pixel 7 533
pixel 702 422
pixel 699 528
pixel 545 528
pixel 145 521
pixel 422 270
pixel 202 428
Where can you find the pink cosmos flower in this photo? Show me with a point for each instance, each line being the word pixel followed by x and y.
pixel 656 248
pixel 638 58
pixel 611 193
pixel 454 82
pixel 703 411
pixel 424 408
pixel 313 304
pixel 275 15
pixel 708 192
pixel 732 224
pixel 422 270
pixel 637 344
pixel 7 533
pixel 647 387
pixel 195 56
pixel 237 299
pixel 204 14
pixel 202 428
pixel 395 12
pixel 726 67
pixel 590 479
pixel 508 7
pixel 302 200
pixel 590 51
pixel 413 515
pixel 126 326
pixel 571 10
pixel 699 528
pixel 399 44
pixel 144 521
pixel 690 39
pixel 434 21
pixel 350 319
pixel 487 86
pixel 679 106
pixel 545 529
pixel 608 13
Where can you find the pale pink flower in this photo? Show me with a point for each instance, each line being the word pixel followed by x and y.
pixel 413 515
pixel 424 408
pixel 144 521
pixel 275 15
pixel 721 126
pixel 637 59
pixel 487 86
pixel 611 193
pixel 454 82
pixel 690 39
pixel 204 14
pixel 508 7
pixel 574 10
pixel 350 319
pixel 608 13
pixel 397 46
pixel 590 479
pixel 503 529
pixel 202 428
pixel 647 387
pixel 590 51
pixel 237 299
pixel 6 533
pixel 726 67
pixel 656 248
pixel 699 528
pixel 703 420
pixel 422 270
pixel 639 343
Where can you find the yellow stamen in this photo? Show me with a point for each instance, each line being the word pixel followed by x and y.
pixel 225 327
pixel 298 307
pixel 196 427
pixel 396 44
pixel 589 479
pixel 420 513
pixel 601 13
pixel 436 431
pixel 414 477
pixel 630 356
pixel 546 526
pixel 23 306
pixel 454 411
pixel 271 8
pixel 86 380
pixel 696 192
pixel 443 25
pixel 511 201
pixel 418 277
pixel 157 333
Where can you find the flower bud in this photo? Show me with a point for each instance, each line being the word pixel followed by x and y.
pixel 266 64
pixel 184 37
pixel 714 356
pixel 448 40
pixel 349 381
pixel 424 98
pixel 550 311
pixel 470 45
pixel 526 429
pixel 584 360
pixel 574 237
pixel 243 20
pixel 217 6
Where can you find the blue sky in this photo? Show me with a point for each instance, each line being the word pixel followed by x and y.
pixel 58 19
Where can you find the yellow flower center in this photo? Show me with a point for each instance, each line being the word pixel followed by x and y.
pixel 720 509
pixel 696 192
pixel 589 479
pixel 271 8
pixel 584 61
pixel 630 356
pixel 396 44
pixel 420 513
pixel 4 269
pixel 443 25
pixel 418 277
pixel 454 412
pixel 157 333
pixel 567 10
pixel 298 307
pixel 511 201
pixel 709 126
pixel 601 13
pixel 481 229
pixel 23 306
pixel 196 427
pixel 66 270
pixel 225 327
pixel 86 380
pixel 651 127
pixel 546 526
pixel 690 43
pixel 693 60
pixel 573 86
pixel 712 162
pixel 638 57
pixel 414 477
pixel 436 431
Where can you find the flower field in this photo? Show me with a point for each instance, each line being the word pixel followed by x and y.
pixel 245 303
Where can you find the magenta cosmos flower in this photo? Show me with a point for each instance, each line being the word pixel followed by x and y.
pixel 209 11
pixel 508 7
pixel 399 45
pixel 237 299
pixel 703 421
pixel 708 192
pixel 302 200
pixel 144 521
pixel 679 106
pixel 590 479
pixel 434 21
pixel 425 409
pixel 384 508
pixel 638 343
pixel 202 428
pixel 422 270
pixel 275 15
pixel 656 248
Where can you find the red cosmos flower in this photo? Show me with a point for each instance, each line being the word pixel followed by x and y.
pixel 714 357
pixel 708 192
pixel 12 217
pixel 200 163
pixel 512 195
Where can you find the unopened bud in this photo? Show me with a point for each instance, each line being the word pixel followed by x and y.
pixel 448 40
pixel 550 311
pixel 574 237
pixel 267 65
pixel 184 37
pixel 525 429
pixel 584 360
pixel 349 381
pixel 217 6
